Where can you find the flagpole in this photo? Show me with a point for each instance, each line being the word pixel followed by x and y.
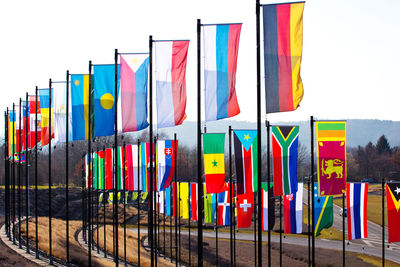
pixel 343 233
pixel 90 166
pixel 255 230
pixel 138 200
pixel 312 190
pixel 36 174
pixel 26 174
pixel 104 202
pixel 157 226
pixel 280 229
pixel 67 171
pixel 176 205
pixel 309 223
pixel 383 221
pixel 13 152
pixel 179 218
pixel 50 247
pixel 234 229
pixel 199 166
pixel 170 220
pixel 190 249
pixel 19 174
pixel 97 200
pixel 6 171
pixel 123 187
pixel 83 199
pixel 230 193
pixel 165 212
pixel 216 232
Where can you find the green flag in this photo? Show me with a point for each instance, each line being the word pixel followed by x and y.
pixel 323 211
pixel 95 170
pixel 208 207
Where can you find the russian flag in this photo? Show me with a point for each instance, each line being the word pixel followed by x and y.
pixel 357 195
pixel 224 209
pixel 293 211
pixel 134 78
pixel 170 72
pixel 221 45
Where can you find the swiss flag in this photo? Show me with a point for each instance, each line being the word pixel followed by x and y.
pixel 245 210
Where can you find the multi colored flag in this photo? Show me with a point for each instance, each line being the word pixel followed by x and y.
pixel 245 210
pixel 145 167
pixel 323 211
pixel 33 108
pixel 284 159
pixel 170 70
pixel 214 162
pixel 224 208
pixel 100 168
pixel 331 153
pixel 166 162
pixel 45 111
pixel 120 168
pixel 357 196
pixel 134 80
pixel 245 143
pixel 80 107
pixel 12 133
pixel 60 114
pixel 267 206
pixel 221 46
pixel 293 211
pixel 209 206
pixel 283 43
pixel 393 210
pixel 131 167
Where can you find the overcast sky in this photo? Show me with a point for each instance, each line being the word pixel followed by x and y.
pixel 350 49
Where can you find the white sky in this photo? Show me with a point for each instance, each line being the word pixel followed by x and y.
pixel 350 49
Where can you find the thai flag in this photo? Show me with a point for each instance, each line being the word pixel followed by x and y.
pixel 357 195
pixel 224 209
pixel 293 211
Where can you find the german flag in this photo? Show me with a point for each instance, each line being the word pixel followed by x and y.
pixel 393 210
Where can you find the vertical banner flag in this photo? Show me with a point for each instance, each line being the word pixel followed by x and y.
pixel 170 72
pixel 175 193
pixel 323 211
pixel 184 200
pixel 331 153
pixel 160 202
pixel 33 122
pixel 209 204
pixel 284 159
pixel 193 200
pixel 109 168
pixel 283 44
pixel 224 208
pixel 95 170
pixel 221 46
pixel 356 196
pixel 25 125
pixel 245 210
pixel 267 206
pixel 145 166
pixel 245 142
pixel 45 110
pixel 100 167
pixel 393 210
pixel 88 176
pixel 134 80
pixel 104 98
pixel 60 113
pixel 165 162
pixel 214 162
pixel 18 128
pixel 120 168
pixel 168 201
pixel 293 211
pixel 131 167
pixel 12 132
pixel 80 107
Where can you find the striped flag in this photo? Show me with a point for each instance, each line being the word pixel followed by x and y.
pixel 245 142
pixel 170 69
pixel 293 211
pixel 184 200
pixel 45 110
pixel 32 113
pixel 193 200
pixel 209 205
pixel 267 206
pixel 393 211
pixel 224 208
pixel 120 168
pixel 165 162
pixel 100 168
pixel 109 168
pixel 221 46
pixel 214 162
pixel 284 159
pixel 131 167
pixel 357 196
pixel 95 169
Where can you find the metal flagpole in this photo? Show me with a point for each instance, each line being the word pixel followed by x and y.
pixel 343 234
pixel 179 218
pixel 309 223
pixel 234 228
pixel 138 200
pixel 13 152
pixel 50 247
pixel 97 200
pixel 269 195
pixel 115 153
pixel 199 166
pixel 230 193
pixel 383 221
pixel 36 175
pixel 164 222
pixel 170 221
pixel 312 190
pixel 190 249
pixel 6 171
pixel 123 188
pixel 67 170
pixel 175 193
pixel 90 176
pixel 83 200
pixel 104 203
pixel 155 193
pixel 216 232
pixel 280 229
pixel 19 150
pixel 255 230
pixel 26 174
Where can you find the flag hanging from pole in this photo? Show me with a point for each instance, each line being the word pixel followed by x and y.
pixel 184 200
pixel 283 44
pixel 109 159
pixel 12 132
pixel 323 211
pixel 168 210
pixel 214 162
pixel 357 196
pixel 331 154
pixel 393 210
pixel 45 110
pixel 193 200
pixel 100 168
pixel 221 46
pixel 245 143
pixel 224 208
pixel 33 122
pixel 80 107
pixel 170 70
pixel 60 114
pixel 293 211
pixel 25 125
pixel 209 206
pixel 245 210
pixel 131 167
pixel 266 206
pixel 165 162
pixel 120 168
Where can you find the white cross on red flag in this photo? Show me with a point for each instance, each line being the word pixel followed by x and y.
pixel 245 210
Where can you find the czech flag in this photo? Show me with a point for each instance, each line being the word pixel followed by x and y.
pixel 357 196
pixel 293 211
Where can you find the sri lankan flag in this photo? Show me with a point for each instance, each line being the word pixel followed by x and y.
pixel 214 162
pixel 323 211
pixel 245 142
pixel 283 44
pixel 331 153
pixel 393 210
pixel 284 159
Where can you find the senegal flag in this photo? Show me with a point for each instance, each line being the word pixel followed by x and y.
pixel 323 211
pixel 214 162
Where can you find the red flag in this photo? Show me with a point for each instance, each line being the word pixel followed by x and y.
pixel 193 195
pixel 175 199
pixel 109 168
pixel 32 114
pixel 245 210
pixel 393 210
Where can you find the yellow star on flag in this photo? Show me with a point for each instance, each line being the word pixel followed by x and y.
pixel 247 137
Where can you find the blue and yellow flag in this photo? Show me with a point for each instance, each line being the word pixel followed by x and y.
pixel 104 99
pixel 80 107
pixel 45 110
pixel 323 211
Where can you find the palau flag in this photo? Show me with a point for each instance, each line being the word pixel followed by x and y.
pixel 356 198
pixel 284 159
pixel 323 211
pixel 134 80
pixel 293 211
pixel 221 46
pixel 214 162
pixel 245 142
pixel 393 211
pixel 331 154
pixel 165 162
pixel 170 70
pixel 104 99
pixel 45 115
pixel 80 107
pixel 283 44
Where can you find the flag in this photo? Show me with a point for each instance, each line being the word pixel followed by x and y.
pixel 245 210
pixel 193 200
pixel 131 167
pixel 101 198
pixel 145 167
pixel 224 208
pixel 175 199
pixel 33 122
pixel 184 200
pixel 293 211
pixel 214 162
pixel 100 168
pixel 104 99
pixel 245 142
pixel 80 107
pixel 160 201
pixel 356 196
pixel 284 157
pixel 168 210
pixel 267 206
pixel 60 114
pixel 170 70
pixel 110 198
pixel 331 153
pixel 135 195
pixel 283 43
pixel 209 206
pixel 393 210
pixel 12 132
pixel 143 197
pixel 24 126
pixel 166 162
pixel 323 211
pixel 45 115
pixel 134 76
pixel 88 177
pixel 19 138
pixel 109 168
pixel 95 173
pixel 221 46
pixel 120 168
